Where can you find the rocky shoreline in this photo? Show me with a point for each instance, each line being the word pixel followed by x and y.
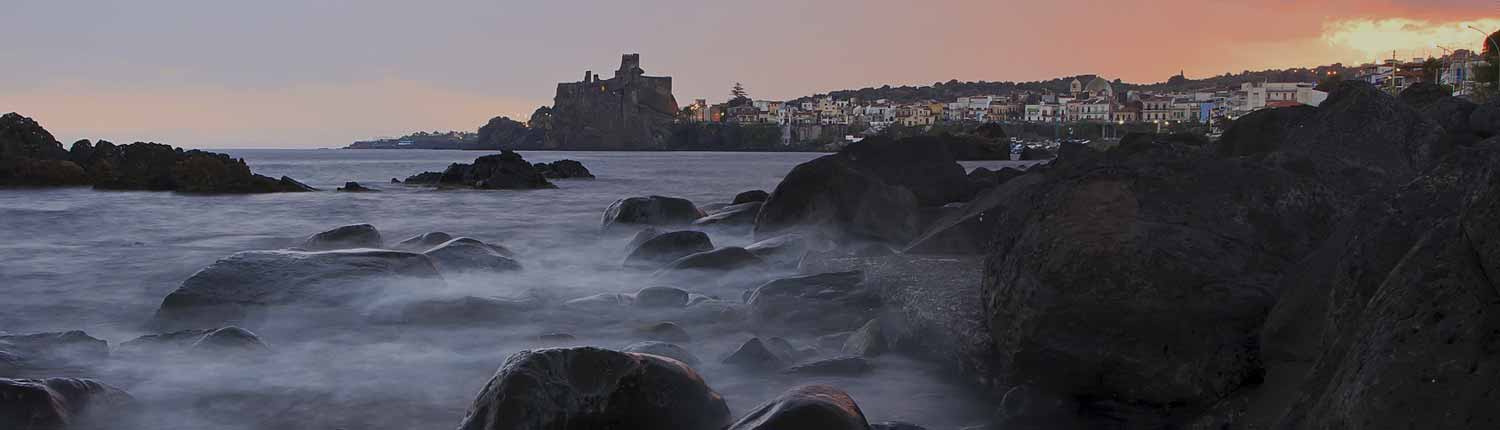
pixel 31 157
pixel 1328 267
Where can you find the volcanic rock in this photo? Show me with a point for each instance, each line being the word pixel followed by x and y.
pixel 650 211
pixel 589 388
pixel 345 237
pixel 807 407
pixel 668 247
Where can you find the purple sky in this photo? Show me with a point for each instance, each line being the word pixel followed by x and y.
pixel 309 73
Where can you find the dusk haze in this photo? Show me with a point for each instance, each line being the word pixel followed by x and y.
pixel 772 215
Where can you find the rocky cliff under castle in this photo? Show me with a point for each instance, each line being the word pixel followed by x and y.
pixel 629 111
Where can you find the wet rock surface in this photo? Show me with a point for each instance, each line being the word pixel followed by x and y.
pixel 664 248
pixel 650 211
pixel 238 287
pixel 31 156
pixel 345 237
pixel 504 171
pixel 62 403
pixel 807 407
pixel 590 388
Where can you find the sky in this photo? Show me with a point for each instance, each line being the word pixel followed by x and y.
pixel 323 73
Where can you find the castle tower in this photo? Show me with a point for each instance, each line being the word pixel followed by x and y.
pixel 630 65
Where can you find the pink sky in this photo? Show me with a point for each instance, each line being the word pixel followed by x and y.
pixel 292 73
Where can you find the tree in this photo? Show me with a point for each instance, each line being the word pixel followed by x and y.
pixel 738 96
pixel 1431 70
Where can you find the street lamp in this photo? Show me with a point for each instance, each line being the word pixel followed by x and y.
pixel 1489 37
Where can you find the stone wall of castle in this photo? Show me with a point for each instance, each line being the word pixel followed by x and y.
pixel 629 111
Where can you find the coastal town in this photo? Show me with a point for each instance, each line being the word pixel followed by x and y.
pixel 635 111
pixel 1092 99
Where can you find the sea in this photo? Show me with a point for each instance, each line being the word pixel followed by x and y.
pixel 101 262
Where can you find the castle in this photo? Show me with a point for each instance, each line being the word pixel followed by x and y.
pixel 628 111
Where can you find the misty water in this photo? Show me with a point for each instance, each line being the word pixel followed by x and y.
pixel 79 259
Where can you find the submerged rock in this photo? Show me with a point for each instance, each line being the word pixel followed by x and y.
pixel 244 284
pixel 564 169
pixel 650 211
pixel 504 171
pixel 867 341
pixel 722 259
pixel 41 351
pixel 454 310
pixel 754 354
pixel 664 349
pixel 750 196
pixel 467 255
pixel 227 342
pixel 63 403
pixel 742 214
pixel 665 332
pixel 423 242
pixel 661 297
pixel 870 191
pixel 808 407
pixel 346 237
pixel 667 247
pixel 837 366
pixel 355 187
pixel 589 388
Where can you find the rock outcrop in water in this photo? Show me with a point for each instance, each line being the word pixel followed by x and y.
pixel 806 407
pixel 30 156
pixel 63 403
pixel 503 171
pixel 244 287
pixel 564 169
pixel 591 388
pixel 649 211
pixel 1132 288
pixel 630 111
pixel 871 191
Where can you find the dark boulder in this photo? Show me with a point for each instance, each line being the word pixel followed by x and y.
pixel 1452 113
pixel 1393 322
pixel 63 403
pixel 30 156
pixel 663 349
pixel 668 247
pixel 742 214
pixel 870 191
pixel 1485 120
pixel 754 355
pixel 661 297
pixel 786 250
pixel 33 353
pixel 346 237
pixel 1138 281
pixel 504 171
pixel 665 332
pixel 895 425
pixel 460 310
pixel 819 303
pixel 868 341
pixel 564 169
pixel 650 211
pixel 836 366
pixel 808 407
pixel 589 388
pixel 244 285
pixel 750 196
pixel 468 255
pixel 423 242
pixel 641 237
pixel 718 260
pixel 221 343
pixel 424 178
pixel 355 187
pixel 969 229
